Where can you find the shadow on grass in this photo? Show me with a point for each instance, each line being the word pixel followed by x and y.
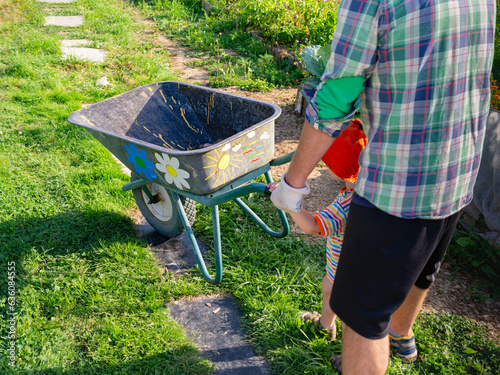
pixel 71 232
pixel 61 234
pixel 87 300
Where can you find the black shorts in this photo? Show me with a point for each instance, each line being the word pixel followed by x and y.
pixel 382 257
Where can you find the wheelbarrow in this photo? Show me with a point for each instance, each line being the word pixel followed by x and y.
pixel 184 144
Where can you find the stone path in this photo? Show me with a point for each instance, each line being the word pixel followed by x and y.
pixel 74 48
pixel 213 322
pixel 65 21
pixel 214 325
pixel 57 1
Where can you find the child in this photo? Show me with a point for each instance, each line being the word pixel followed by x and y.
pixel 342 160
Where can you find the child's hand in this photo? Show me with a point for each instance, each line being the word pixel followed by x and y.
pixel 273 185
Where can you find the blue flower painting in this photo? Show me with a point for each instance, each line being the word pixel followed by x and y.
pixel 140 161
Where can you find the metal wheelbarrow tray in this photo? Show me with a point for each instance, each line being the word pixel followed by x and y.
pixel 186 143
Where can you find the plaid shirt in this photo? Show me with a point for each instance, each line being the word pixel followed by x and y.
pixel 426 66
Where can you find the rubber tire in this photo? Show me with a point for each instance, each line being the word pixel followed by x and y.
pixel 163 216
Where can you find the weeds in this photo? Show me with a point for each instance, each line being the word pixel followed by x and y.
pixel 291 24
pixel 252 69
pixel 470 253
pixel 496 57
pixel 284 21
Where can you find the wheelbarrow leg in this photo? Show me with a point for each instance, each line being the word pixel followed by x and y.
pixel 194 243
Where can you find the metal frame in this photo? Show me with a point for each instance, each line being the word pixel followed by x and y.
pixel 233 191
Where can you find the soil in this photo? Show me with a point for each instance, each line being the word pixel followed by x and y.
pixel 449 293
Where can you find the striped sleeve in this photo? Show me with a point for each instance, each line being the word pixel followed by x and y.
pixel 332 219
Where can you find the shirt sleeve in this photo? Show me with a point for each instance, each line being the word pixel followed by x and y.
pixel 354 54
pixel 331 220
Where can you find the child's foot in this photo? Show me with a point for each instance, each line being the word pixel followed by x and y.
pixel 315 319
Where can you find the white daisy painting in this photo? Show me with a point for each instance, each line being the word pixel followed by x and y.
pixel 173 174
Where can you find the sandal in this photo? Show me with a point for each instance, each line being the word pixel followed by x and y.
pixel 405 347
pixel 336 362
pixel 315 319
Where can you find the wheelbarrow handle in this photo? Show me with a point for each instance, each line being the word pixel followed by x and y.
pixel 267 192
pixel 261 188
pixel 282 159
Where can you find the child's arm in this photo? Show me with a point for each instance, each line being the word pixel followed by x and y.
pixel 306 222
pixel 303 219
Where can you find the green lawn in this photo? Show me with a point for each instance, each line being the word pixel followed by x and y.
pixel 79 292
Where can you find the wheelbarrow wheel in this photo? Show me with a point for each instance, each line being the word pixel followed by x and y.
pixel 162 213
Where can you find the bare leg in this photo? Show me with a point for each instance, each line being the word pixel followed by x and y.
pixel 327 315
pixel 363 356
pixel 404 317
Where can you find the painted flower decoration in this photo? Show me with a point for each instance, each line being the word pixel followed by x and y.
pixel 173 174
pixel 140 161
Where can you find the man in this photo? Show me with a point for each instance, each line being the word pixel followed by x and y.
pixel 419 72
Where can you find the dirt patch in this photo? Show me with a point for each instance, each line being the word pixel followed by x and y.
pixel 453 293
pixel 179 62
pixel 447 293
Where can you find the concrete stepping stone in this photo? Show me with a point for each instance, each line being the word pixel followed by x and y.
pixel 72 48
pixel 75 42
pixel 214 324
pixel 84 54
pixel 67 21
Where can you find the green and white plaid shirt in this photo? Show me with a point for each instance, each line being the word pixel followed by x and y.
pixel 426 67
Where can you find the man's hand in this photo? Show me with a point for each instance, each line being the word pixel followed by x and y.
pixel 287 198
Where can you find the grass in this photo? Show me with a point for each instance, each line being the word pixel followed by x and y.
pixel 274 284
pixel 87 294
pixel 496 60
pixel 470 253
